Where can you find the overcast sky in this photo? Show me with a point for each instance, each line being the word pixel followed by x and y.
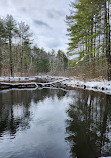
pixel 45 17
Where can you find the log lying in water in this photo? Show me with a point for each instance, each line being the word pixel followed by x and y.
pixel 17 85
pixel 4 86
pixel 57 84
pixel 60 84
pixel 50 84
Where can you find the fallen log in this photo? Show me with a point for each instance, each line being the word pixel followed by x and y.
pixel 4 86
pixel 57 83
pixel 17 85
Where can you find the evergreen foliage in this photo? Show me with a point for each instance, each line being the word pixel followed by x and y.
pixel 19 56
pixel 89 32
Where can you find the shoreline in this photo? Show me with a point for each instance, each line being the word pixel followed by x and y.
pixel 68 83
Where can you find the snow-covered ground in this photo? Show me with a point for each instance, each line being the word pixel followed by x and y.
pixel 17 79
pixel 106 157
pixel 101 86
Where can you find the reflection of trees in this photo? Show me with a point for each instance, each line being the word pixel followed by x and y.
pixel 88 126
pixel 12 103
pixel 61 94
pixel 15 108
pixel 47 92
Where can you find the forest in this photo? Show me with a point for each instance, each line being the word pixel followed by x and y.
pixel 89 32
pixel 20 57
pixel 89 45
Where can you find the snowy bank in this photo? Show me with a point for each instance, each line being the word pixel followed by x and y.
pixel 70 83
pixel 106 157
pixel 101 86
pixel 16 79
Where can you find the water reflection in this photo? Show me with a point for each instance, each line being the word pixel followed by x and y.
pixel 15 108
pixel 14 111
pixel 35 123
pixel 32 124
pixel 89 125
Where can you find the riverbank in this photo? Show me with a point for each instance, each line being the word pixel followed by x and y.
pixel 68 83
pixel 17 79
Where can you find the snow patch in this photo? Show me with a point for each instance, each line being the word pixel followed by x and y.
pixel 106 157
pixel 101 86
pixel 17 78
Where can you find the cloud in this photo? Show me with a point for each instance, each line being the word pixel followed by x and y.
pixel 23 9
pixel 54 13
pixel 41 23
pixel 55 45
pixel 46 19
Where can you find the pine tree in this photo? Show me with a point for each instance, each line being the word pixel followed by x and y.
pixel 24 35
pixel 11 29
pixel 89 32
pixel 2 41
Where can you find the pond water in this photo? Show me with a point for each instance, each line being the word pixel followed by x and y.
pixel 52 123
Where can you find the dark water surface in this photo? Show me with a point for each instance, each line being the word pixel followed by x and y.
pixel 52 123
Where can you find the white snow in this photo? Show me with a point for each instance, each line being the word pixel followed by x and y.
pixel 101 86
pixel 14 84
pixel 17 79
pixel 106 157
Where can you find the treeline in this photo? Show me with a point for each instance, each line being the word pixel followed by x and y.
pixel 89 31
pixel 19 56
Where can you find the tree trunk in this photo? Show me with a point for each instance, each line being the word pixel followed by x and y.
pixel 106 37
pixel 0 59
pixel 109 49
pixel 92 37
pixel 22 61
pixel 10 50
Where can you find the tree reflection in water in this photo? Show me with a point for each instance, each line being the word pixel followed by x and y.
pixel 88 126
pixel 15 108
pixel 14 111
